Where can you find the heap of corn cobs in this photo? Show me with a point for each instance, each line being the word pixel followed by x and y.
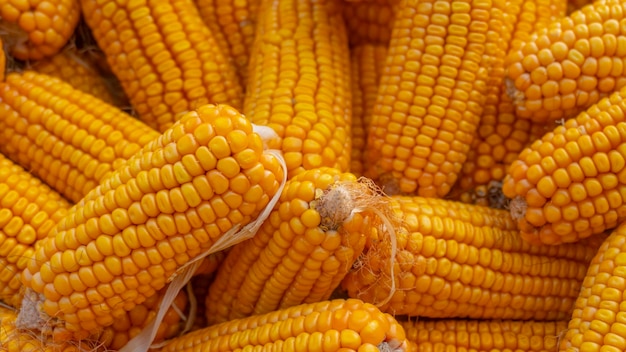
pixel 313 175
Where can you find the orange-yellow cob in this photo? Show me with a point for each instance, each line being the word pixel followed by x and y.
pixel 233 25
pixel 430 96
pixel 127 238
pixel 570 184
pixel 34 29
pixel 369 22
pixel 483 335
pixel 299 83
pixel 29 209
pixel 338 325
pixel 69 139
pixel 569 65
pixel 596 324
pixel 302 252
pixel 467 261
pixel 164 56
pixel 367 64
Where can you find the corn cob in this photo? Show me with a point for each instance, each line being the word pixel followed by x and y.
pixel 338 325
pixel 369 22
pixel 483 335
pixel 131 235
pixel 467 261
pixel 15 340
pixel 69 139
pixel 569 184
pixel 233 24
pixel 367 63
pixel 37 29
pixel 299 83
pixel 130 325
pixel 28 210
pixel 597 321
pixel 72 67
pixel 302 252
pixel 500 136
pixel 570 65
pixel 430 96
pixel 164 56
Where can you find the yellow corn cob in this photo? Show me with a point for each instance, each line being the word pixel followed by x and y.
pixel 367 64
pixel 431 95
pixel 501 136
pixel 15 340
pixel 569 65
pixel 467 261
pixel 301 253
pixel 74 68
pixel 131 324
pixel 570 184
pixel 483 335
pixel 28 211
pixel 597 321
pixel 369 22
pixel 299 83
pixel 164 56
pixel 165 206
pixel 35 29
pixel 69 139
pixel 338 325
pixel 233 24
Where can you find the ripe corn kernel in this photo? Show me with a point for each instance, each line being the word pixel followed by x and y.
pixel 76 69
pixel 596 322
pixel 68 138
pixel 299 82
pixel 455 260
pixel 430 95
pixel 585 46
pixel 170 234
pixel 37 29
pixel 501 136
pixel 583 193
pixel 367 61
pixel 483 335
pixel 369 22
pixel 29 209
pixel 168 63
pixel 301 253
pixel 233 25
pixel 326 325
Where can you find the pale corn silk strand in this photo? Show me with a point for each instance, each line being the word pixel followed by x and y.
pixel 143 341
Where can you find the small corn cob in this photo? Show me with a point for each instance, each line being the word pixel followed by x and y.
pixel 131 324
pixel 16 340
pixel 164 56
pixel 570 184
pixel 168 204
pixel 68 138
pixel 299 83
pixel 597 321
pixel 338 325
pixel 74 68
pixel 483 335
pixel 501 136
pixel 34 29
pixel 369 22
pixel 431 95
pixel 233 24
pixel 29 209
pixel 569 65
pixel 367 64
pixel 301 254
pixel 455 260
